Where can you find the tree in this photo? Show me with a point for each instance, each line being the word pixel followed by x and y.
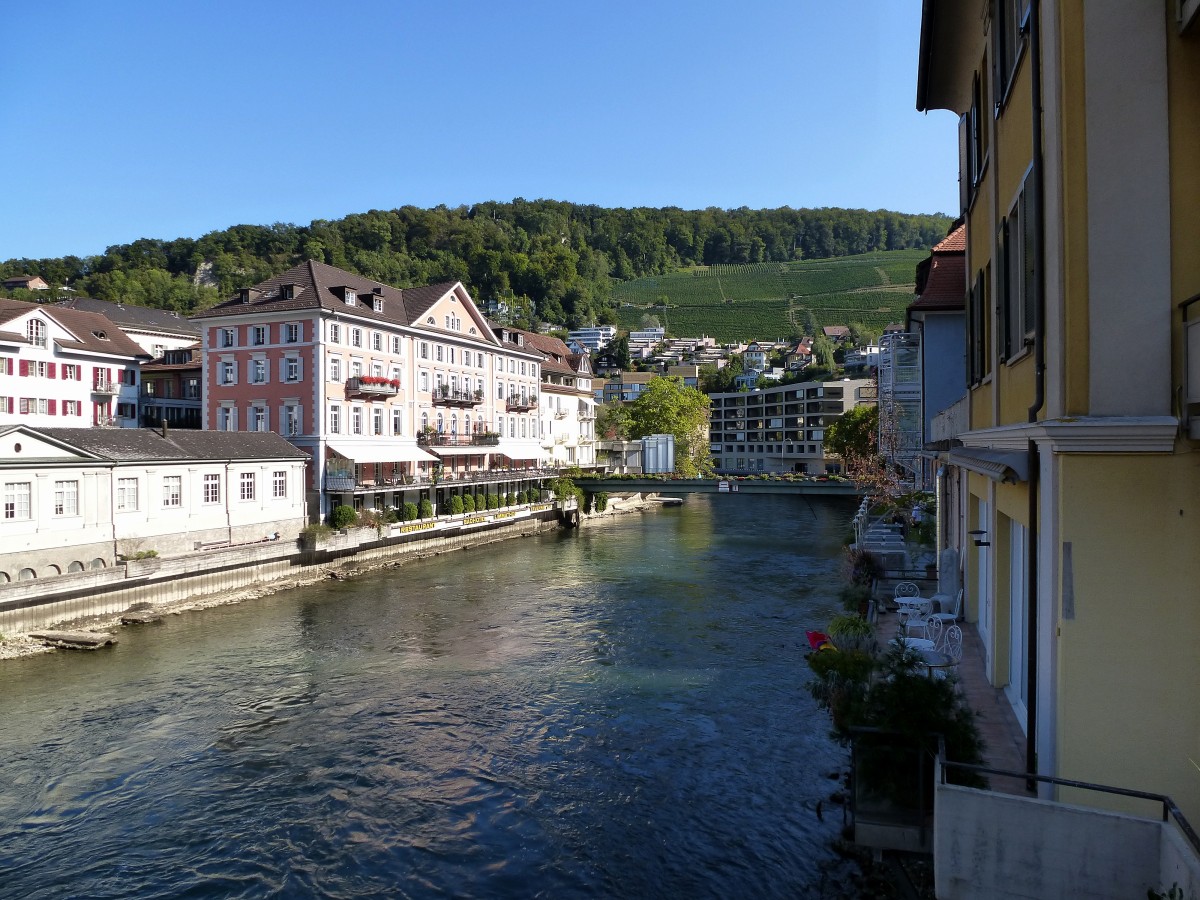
pixel 822 349
pixel 614 422
pixel 667 406
pixel 854 436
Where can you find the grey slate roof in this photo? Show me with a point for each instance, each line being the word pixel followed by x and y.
pixel 138 318
pixel 86 326
pixel 149 445
pixel 315 284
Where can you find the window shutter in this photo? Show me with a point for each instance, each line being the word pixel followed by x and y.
pixel 54 407
pixel 50 370
pixel 1002 289
pixel 24 368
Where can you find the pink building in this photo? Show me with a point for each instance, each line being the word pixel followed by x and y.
pixel 396 395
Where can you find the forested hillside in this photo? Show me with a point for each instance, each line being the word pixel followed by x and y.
pixel 549 260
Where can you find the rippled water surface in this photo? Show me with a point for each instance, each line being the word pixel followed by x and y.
pixel 617 712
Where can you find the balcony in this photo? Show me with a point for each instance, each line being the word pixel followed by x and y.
pixel 372 386
pixel 108 388
pixel 447 396
pixel 521 403
pixel 444 439
pixel 107 421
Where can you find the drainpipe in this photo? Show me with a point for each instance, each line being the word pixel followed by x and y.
pixel 1039 350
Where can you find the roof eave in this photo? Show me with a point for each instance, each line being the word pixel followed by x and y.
pixel 951 45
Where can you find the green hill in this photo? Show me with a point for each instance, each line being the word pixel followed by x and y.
pixel 769 300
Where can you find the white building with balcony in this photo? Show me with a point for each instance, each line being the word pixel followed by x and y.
pixel 66 368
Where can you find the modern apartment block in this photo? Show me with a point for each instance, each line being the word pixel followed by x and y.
pixel 595 338
pixel 396 395
pixel 1075 466
pixel 781 428
pixel 66 368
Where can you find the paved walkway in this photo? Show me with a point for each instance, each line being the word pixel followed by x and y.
pixel 1004 741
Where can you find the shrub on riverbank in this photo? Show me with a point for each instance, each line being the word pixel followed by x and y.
pixel 426 509
pixel 468 503
pixel 410 512
pixel 456 505
pixel 493 501
pixel 343 517
pixel 510 499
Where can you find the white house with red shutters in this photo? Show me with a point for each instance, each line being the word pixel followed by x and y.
pixel 397 395
pixel 66 368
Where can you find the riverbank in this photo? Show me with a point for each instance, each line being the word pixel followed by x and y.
pixel 19 644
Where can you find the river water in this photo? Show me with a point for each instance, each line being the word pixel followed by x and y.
pixel 614 712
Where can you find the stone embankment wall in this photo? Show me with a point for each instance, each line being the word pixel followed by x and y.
pixel 28 605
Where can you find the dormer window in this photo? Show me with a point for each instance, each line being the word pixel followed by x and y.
pixel 101 335
pixel 287 291
pixel 350 296
pixel 430 321
pixel 377 304
pixel 35 330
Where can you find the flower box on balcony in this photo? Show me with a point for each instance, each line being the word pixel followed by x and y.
pixel 373 384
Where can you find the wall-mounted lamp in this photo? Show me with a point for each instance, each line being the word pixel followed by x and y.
pixel 978 536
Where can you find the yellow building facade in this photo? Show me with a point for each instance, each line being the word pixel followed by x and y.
pixel 1078 474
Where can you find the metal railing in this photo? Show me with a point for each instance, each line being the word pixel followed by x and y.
pixel 445 396
pixel 358 384
pixel 445 439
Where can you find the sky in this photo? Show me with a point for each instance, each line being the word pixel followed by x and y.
pixel 121 120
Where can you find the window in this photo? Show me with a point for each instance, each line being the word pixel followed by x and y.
pixel 124 411
pixel 258 371
pixel 292 368
pixel 397 421
pixel 335 333
pixel 35 330
pixel 172 490
pixel 259 414
pixel 71 372
pixel 247 485
pixel 376 341
pixel 356 337
pixel 377 421
pixel 377 370
pixel 424 381
pixel 1018 288
pixel 351 297
pixel 212 488
pixel 127 494
pixel 66 498
pixel 228 337
pixel 70 407
pixel 977 334
pixel 6 365
pixel 424 350
pixel 227 418
pixel 1012 18
pixel 440 352
pixel 291 420
pixel 396 345
pixel 191 389
pixel 356 369
pixel 522 367
pixel 377 304
pixel 356 420
pixel 278 484
pixel 16 500
pixel 335 370
pixel 228 373
pixel 258 335
pixel 292 332
pixel 335 419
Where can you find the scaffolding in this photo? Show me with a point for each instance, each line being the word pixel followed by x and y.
pixel 900 431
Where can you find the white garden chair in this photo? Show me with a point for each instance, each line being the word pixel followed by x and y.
pixel 949 618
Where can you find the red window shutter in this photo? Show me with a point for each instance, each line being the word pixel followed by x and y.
pixel 24 368
pixel 50 367
pixel 54 407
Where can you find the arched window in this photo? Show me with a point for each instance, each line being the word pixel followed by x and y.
pixel 424 420
pixel 454 424
pixel 35 330
pixel 5 578
pixel 26 575
pixel 441 423
pixel 76 566
pixel 97 563
pixel 467 424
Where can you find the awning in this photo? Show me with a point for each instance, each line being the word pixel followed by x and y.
pixel 380 451
pixel 1009 466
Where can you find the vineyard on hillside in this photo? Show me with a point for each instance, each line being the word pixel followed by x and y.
pixel 769 300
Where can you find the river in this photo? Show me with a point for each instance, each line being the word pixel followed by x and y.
pixel 613 712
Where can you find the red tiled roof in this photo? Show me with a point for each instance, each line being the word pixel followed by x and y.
pixel 945 286
pixel 954 242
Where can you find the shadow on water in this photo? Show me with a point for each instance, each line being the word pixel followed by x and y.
pixel 614 712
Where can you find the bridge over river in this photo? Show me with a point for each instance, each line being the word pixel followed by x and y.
pixel 720 486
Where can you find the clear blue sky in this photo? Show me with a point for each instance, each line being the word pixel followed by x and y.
pixel 165 119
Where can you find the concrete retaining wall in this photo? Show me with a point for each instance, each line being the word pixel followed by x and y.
pixel 29 605
pixel 989 845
